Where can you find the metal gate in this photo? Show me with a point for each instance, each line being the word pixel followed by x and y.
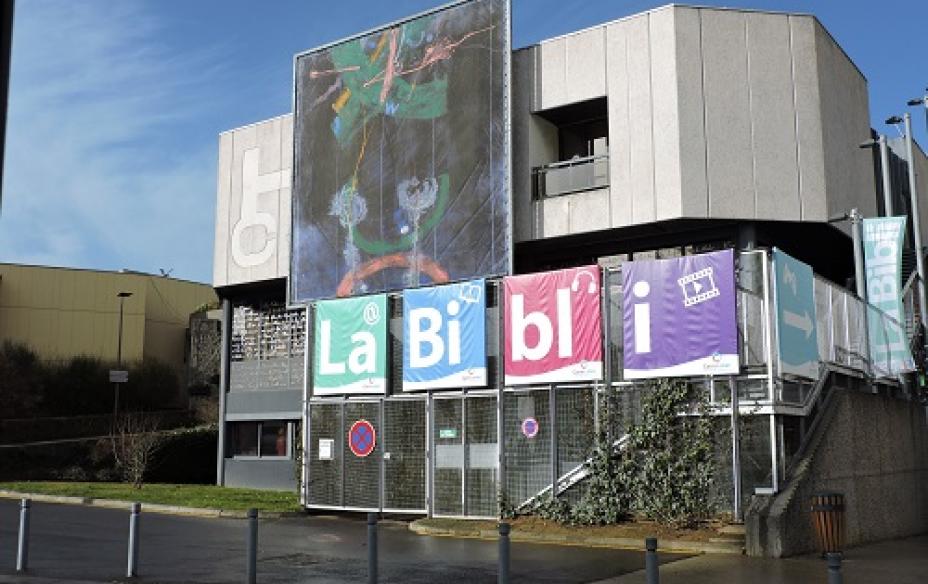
pixel 390 477
pixel 465 471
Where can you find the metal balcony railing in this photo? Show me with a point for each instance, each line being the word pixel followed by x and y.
pixel 570 176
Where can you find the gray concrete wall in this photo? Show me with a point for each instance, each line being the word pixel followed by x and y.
pixel 264 405
pixel 276 475
pixel 713 113
pixel 897 145
pixel 874 450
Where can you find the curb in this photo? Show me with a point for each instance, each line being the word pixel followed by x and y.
pixel 149 507
pixel 667 545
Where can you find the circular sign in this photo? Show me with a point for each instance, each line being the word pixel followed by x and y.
pixel 362 439
pixel 530 427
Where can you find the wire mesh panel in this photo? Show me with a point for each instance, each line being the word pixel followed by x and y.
pixel 527 444
pixel 325 454
pixel 362 472
pixel 404 454
pixel 576 430
pixel 481 463
pixel 448 438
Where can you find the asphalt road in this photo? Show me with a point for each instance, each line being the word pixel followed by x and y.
pixel 86 543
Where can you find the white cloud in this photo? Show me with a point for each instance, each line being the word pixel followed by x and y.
pixel 99 170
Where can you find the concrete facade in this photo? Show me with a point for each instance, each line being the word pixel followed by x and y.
pixel 62 312
pixel 712 113
pixel 873 448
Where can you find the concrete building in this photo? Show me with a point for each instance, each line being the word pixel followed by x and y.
pixel 65 312
pixel 662 134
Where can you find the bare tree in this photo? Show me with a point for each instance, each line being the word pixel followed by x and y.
pixel 135 440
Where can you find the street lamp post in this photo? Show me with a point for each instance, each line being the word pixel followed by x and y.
pixel 884 168
pixel 122 298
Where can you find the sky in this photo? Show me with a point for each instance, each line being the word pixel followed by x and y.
pixel 115 107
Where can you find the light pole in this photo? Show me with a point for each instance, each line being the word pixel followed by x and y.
pixel 916 222
pixel 122 298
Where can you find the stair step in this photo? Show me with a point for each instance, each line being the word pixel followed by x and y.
pixel 732 530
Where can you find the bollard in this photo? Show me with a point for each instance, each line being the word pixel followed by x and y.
pixel 251 568
pixel 132 568
pixel 503 553
pixel 372 548
pixel 834 568
pixel 22 550
pixel 650 561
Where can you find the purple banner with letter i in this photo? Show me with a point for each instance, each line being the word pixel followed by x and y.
pixel 679 316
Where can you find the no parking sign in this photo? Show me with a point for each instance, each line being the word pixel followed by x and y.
pixel 362 439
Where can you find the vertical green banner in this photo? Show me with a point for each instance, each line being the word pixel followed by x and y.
pixel 350 354
pixel 883 239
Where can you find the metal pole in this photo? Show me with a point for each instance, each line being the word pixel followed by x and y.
pixel 857 237
pixel 735 450
pixel 372 548
pixel 133 559
pixel 834 568
pixel 650 561
pixel 224 370
pixel 251 566
pixel 887 185
pixel 916 219
pixel 22 550
pixel 118 361
pixel 503 576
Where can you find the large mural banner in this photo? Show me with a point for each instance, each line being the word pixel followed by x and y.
pixel 553 327
pixel 883 240
pixel 350 343
pixel 679 316
pixel 445 336
pixel 401 173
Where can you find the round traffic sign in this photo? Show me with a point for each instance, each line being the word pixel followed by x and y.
pixel 530 427
pixel 362 439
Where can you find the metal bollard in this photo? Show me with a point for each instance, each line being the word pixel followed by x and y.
pixel 22 550
pixel 650 561
pixel 251 568
pixel 834 568
pixel 504 529
pixel 372 548
pixel 132 568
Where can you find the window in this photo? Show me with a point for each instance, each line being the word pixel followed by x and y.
pixel 265 439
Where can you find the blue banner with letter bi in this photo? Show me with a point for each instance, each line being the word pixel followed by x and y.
pixel 797 337
pixel 444 336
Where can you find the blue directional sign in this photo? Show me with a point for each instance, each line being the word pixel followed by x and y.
pixel 795 302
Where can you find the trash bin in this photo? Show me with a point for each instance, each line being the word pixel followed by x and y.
pixel 828 519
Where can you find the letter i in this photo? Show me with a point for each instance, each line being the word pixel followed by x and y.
pixel 642 318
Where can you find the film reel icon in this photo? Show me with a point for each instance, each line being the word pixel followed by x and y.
pixel 702 285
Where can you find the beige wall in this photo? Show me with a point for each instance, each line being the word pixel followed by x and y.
pixel 713 113
pixel 62 312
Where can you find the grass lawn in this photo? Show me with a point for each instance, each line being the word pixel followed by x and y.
pixel 203 496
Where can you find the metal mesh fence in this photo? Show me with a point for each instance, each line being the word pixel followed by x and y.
pixel 576 427
pixel 404 454
pixel 527 456
pixel 448 475
pixel 325 454
pixel 481 462
pixel 362 473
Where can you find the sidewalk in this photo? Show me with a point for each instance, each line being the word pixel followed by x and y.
pixel 903 561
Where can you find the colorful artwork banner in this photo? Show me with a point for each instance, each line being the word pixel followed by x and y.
pixel 401 156
pixel 350 341
pixel 883 240
pixel 679 317
pixel 553 327
pixel 445 336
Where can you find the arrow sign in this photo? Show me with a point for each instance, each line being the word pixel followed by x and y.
pixel 801 322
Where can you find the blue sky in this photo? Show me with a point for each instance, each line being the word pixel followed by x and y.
pixel 115 107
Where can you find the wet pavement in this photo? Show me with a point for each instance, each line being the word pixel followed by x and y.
pixel 73 543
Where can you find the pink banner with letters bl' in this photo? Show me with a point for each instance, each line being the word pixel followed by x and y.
pixel 553 326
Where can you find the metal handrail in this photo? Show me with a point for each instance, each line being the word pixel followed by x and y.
pixel 571 162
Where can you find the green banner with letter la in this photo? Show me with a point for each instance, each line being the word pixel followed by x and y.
pixel 883 239
pixel 350 355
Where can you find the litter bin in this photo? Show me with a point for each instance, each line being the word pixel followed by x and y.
pixel 828 519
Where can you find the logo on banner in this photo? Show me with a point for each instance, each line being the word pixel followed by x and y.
pixel 362 439
pixel 444 334
pixel 350 351
pixel 553 326
pixel 679 316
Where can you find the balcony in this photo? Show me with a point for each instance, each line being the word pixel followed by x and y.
pixel 570 176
